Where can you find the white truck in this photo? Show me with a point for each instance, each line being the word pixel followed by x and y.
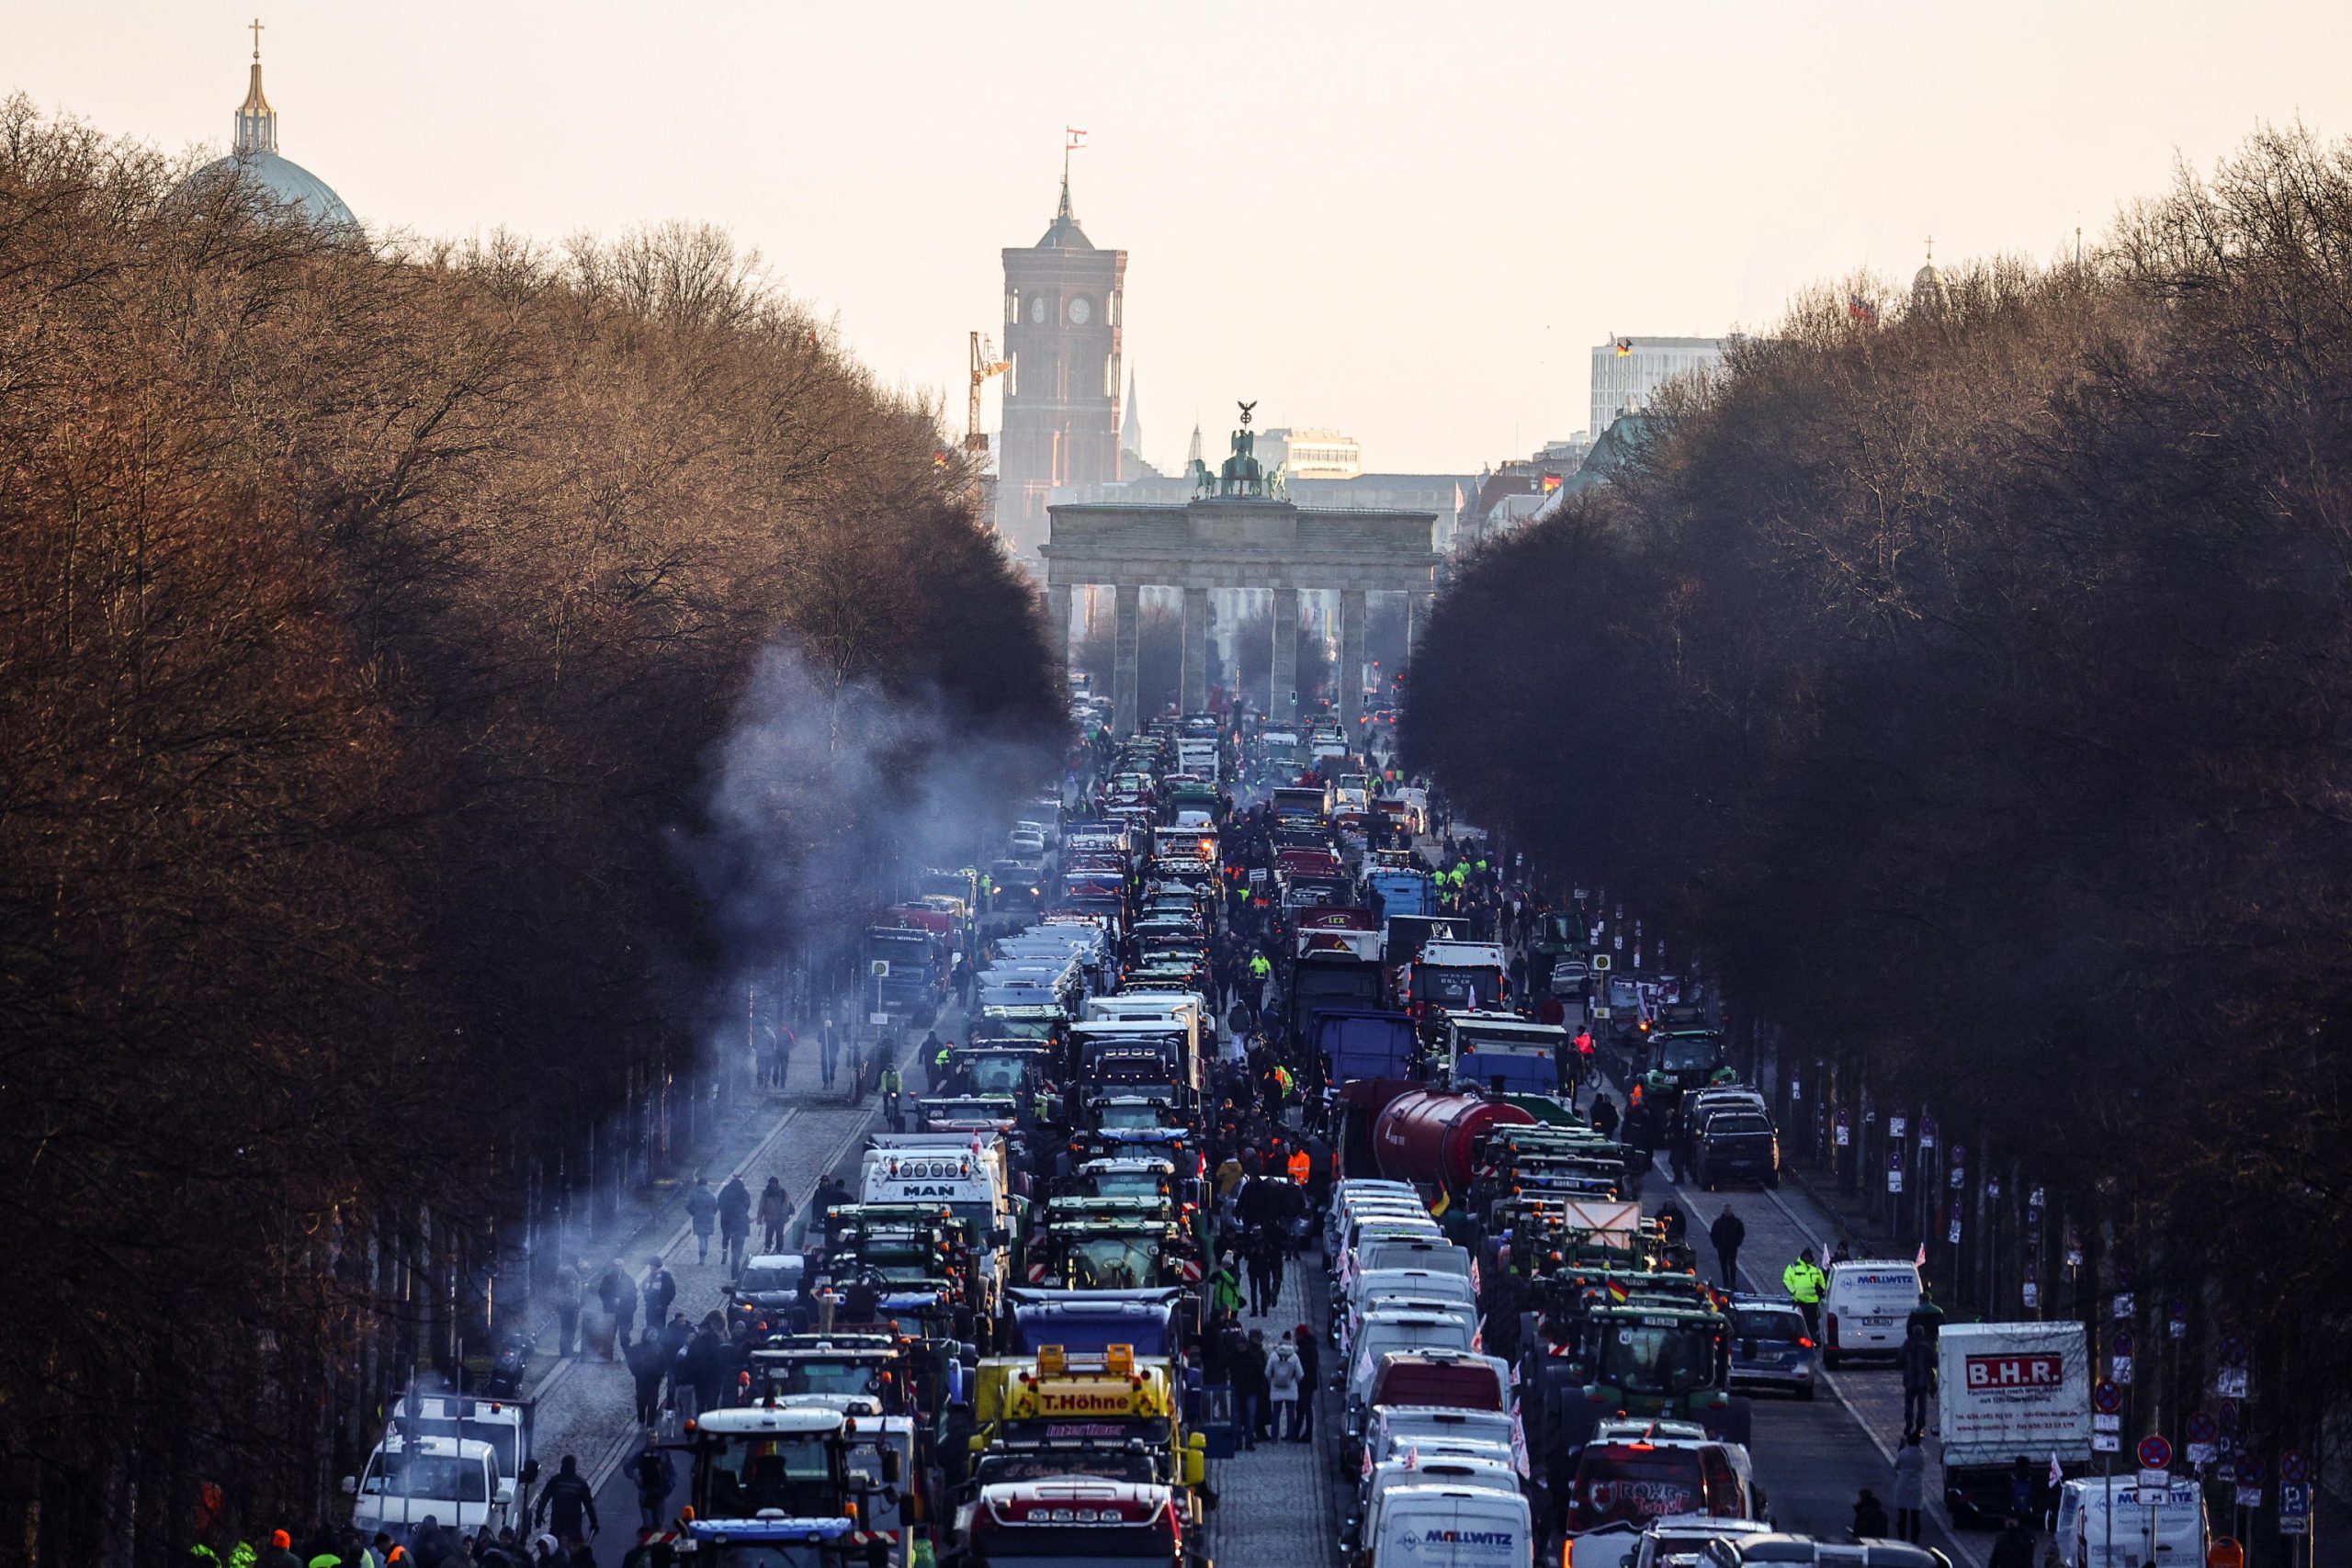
pixel 964 1172
pixel 2006 1390
pixel 1443 1525
pixel 456 1461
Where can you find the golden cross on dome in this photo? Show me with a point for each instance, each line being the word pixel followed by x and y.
pixel 256 37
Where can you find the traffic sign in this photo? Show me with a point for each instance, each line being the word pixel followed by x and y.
pixel 2230 1352
pixel 2203 1428
pixel 2294 1506
pixel 1601 962
pixel 2102 1421
pixel 2156 1453
pixel 2105 1397
pixel 1600 1013
pixel 2105 1443
pixel 2294 1467
pixel 2122 1342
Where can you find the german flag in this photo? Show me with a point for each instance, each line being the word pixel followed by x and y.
pixel 1618 1295
pixel 1624 348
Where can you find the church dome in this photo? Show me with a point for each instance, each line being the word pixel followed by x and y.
pixel 283 184
pixel 255 161
pixel 1927 284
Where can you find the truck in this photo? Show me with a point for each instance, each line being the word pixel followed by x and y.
pixel 1362 1043
pixel 1429 1138
pixel 1396 891
pixel 1337 966
pixel 2006 1389
pixel 458 1461
pixel 2104 1522
pixel 902 970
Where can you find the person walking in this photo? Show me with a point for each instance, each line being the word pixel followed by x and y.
pixel 702 1208
pixel 648 1359
pixel 1262 970
pixel 618 1291
pixel 1310 1378
pixel 571 1500
pixel 894 1088
pixel 1805 1281
pixel 2013 1548
pixel 734 1221
pixel 1910 1487
pixel 1916 1362
pixel 1728 1231
pixel 1605 1116
pixel 1284 1375
pixel 1869 1516
pixel 1225 1287
pixel 829 1049
pixel 655 1473
pixel 775 1212
pixel 571 1288
pixel 1249 1371
pixel 1265 1250
pixel 659 1288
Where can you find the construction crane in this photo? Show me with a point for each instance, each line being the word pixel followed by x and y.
pixel 984 364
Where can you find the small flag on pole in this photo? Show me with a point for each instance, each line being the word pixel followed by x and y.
pixel 1862 309
pixel 1077 139
pixel 1919 1259
pixel 1624 348
pixel 2057 1475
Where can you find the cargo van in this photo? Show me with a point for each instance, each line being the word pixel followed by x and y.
pixel 2170 1536
pixel 1449 1526
pixel 1866 1310
pixel 1381 1331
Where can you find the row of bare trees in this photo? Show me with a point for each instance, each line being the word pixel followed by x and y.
pixel 368 615
pixel 1974 689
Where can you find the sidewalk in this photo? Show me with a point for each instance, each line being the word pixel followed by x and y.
pixel 1274 1504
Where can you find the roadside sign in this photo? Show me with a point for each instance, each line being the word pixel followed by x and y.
pixel 1601 962
pixel 2229 1351
pixel 2294 1508
pixel 2247 1496
pixel 2105 1397
pixel 2122 1342
pixel 2103 1422
pixel 2153 1480
pixel 879 968
pixel 2105 1442
pixel 2119 1367
pixel 2155 1451
pixel 2201 1428
pixel 2294 1467
pixel 1600 1013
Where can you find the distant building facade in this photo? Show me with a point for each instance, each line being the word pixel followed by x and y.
pixel 1313 454
pixel 1628 371
pixel 1063 309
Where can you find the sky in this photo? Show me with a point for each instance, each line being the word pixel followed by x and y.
pixel 1408 222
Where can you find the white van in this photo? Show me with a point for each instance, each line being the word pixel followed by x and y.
pixel 1448 1527
pixel 1381 1331
pixel 1488 1472
pixel 1867 1308
pixel 2171 1536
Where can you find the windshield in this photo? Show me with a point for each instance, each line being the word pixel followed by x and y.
pixel 1016 1028
pixel 1108 1461
pixel 1750 1126
pixel 771 1278
pixel 1113 1263
pixel 748 1473
pixel 1127 1183
pixel 1634 1482
pixel 996 1074
pixel 1689 1055
pixel 1133 1118
pixel 443 1477
pixel 1766 1322
pixel 1642 1359
pixel 825 1377
pixel 773 1554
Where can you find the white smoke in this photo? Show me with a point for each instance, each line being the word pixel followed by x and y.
pixel 829 799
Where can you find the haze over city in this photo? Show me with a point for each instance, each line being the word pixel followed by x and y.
pixel 1409 224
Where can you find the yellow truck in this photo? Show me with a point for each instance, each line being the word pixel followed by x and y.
pixel 1112 1416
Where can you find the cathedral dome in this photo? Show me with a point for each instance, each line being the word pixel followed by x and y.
pixel 283 184
pixel 253 160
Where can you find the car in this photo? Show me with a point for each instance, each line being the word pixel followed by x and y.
pixel 1736 1143
pixel 1771 1347
pixel 765 1291
pixel 1681 1539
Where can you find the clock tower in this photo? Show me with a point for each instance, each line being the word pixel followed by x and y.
pixel 1062 311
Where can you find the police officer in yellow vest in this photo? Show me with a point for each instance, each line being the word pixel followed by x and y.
pixel 1805 1281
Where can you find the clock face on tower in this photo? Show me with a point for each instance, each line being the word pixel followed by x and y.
pixel 1080 311
pixel 1038 309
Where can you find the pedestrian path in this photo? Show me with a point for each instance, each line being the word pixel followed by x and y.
pixel 1273 1506
pixel 586 1407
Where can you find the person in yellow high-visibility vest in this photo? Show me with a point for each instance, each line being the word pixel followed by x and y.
pixel 1805 1281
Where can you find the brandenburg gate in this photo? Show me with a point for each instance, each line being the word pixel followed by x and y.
pixel 1237 532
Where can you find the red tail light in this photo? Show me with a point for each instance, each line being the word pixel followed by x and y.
pixel 1804 1341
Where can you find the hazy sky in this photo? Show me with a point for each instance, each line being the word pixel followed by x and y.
pixel 1408 221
